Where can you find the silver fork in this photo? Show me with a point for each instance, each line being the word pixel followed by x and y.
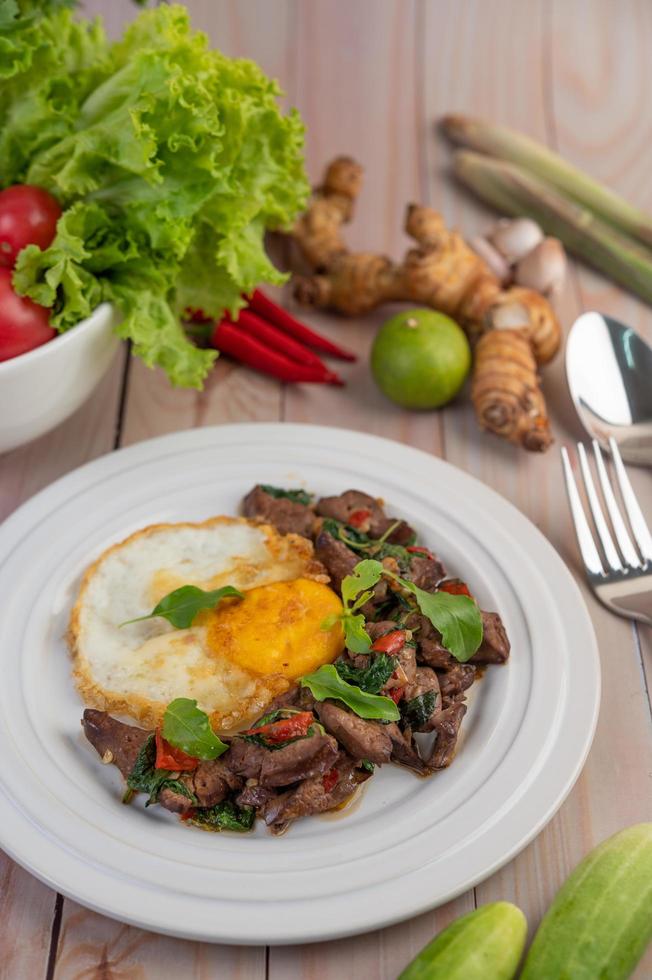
pixel 625 586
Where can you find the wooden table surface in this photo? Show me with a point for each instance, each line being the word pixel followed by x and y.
pixel 370 78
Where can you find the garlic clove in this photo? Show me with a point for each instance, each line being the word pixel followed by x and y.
pixel 515 237
pixel 544 268
pixel 485 250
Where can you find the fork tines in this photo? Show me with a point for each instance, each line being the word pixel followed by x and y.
pixel 625 557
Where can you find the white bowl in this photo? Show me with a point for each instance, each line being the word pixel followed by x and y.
pixel 43 387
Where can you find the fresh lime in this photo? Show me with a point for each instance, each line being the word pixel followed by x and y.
pixel 420 359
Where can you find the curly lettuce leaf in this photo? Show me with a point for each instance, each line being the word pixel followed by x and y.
pixel 171 161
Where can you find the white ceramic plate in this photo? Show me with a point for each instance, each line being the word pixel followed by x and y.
pixel 408 844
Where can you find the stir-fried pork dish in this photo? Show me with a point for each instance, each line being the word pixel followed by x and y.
pixel 414 640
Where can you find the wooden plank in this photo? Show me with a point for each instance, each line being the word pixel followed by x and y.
pixel 93 946
pixel 507 81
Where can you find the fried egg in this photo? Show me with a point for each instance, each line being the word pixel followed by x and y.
pixel 233 659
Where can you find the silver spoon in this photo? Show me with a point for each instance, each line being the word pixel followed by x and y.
pixel 609 372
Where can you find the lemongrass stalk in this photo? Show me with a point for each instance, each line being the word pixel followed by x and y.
pixel 514 192
pixel 539 161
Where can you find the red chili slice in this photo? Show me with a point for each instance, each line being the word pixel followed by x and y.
pixel 390 643
pixel 280 731
pixel 188 813
pixel 358 517
pixel 330 780
pixel 454 586
pixel 396 693
pixel 416 549
pixel 169 757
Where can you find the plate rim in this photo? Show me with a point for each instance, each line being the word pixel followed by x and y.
pixel 109 464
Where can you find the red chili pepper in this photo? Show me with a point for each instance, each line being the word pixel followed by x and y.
pixel 358 517
pixel 418 550
pixel 396 693
pixel 330 780
pixel 454 586
pixel 286 728
pixel 274 338
pixel 169 757
pixel 243 347
pixel 390 643
pixel 188 814
pixel 275 314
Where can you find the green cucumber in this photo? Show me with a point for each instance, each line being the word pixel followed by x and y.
pixel 600 922
pixel 486 944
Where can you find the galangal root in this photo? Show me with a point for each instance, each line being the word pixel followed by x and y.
pixel 512 330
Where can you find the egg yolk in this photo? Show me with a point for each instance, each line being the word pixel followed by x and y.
pixel 276 629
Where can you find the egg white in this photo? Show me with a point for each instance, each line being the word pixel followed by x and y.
pixel 139 668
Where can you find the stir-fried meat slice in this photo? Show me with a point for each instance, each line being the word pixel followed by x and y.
pixel 315 795
pixel 495 645
pixel 211 782
pixel 432 653
pixel 175 802
pixel 446 726
pixel 287 516
pixel 338 560
pixel 362 739
pixel 302 759
pixel 404 752
pixel 114 741
pixel 455 681
pixel 368 516
pixel 255 795
pixel 426 572
pixel 245 758
pixel 426 680
pixel 430 650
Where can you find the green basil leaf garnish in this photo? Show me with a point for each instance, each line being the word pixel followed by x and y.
pixel 327 683
pixel 296 496
pixel 188 728
pixel 417 711
pixel 371 678
pixel 356 590
pixel 146 778
pixel 225 816
pixel 181 606
pixel 457 618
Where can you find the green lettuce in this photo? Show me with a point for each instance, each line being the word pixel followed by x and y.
pixel 171 161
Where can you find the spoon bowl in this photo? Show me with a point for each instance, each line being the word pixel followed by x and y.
pixel 609 372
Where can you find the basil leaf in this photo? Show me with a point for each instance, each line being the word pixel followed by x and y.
pixel 371 678
pixel 296 496
pixel 225 816
pixel 457 618
pixel 146 778
pixel 417 711
pixel 327 683
pixel 365 575
pixel 181 606
pixel 355 635
pixel 187 727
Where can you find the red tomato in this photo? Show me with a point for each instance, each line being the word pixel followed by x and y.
pixel 28 216
pixel 389 643
pixel 330 780
pixel 169 757
pixel 23 324
pixel 277 732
